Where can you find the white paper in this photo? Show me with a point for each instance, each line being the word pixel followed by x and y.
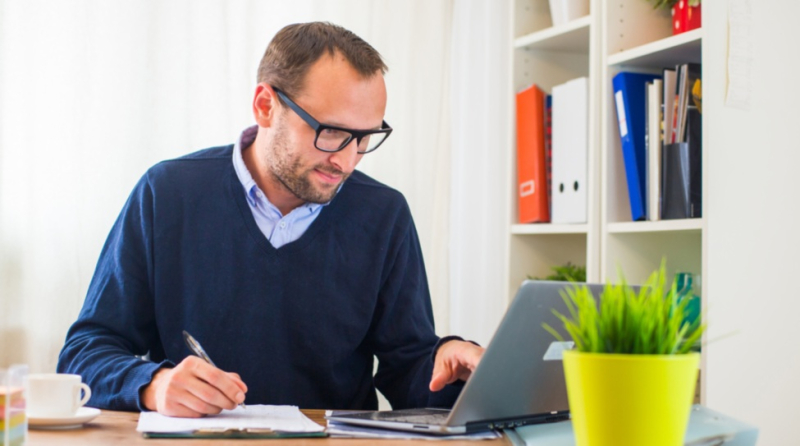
pixel 276 418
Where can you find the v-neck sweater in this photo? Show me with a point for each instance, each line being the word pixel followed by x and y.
pixel 300 324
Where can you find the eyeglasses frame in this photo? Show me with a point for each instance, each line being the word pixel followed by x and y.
pixel 318 127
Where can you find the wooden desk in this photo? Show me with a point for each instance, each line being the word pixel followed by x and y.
pixel 119 428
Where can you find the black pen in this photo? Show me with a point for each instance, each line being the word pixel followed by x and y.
pixel 197 349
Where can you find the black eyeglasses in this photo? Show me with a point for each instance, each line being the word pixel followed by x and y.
pixel 331 138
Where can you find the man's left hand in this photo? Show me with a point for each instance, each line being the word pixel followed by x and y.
pixel 454 360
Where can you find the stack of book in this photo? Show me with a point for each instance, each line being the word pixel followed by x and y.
pixel 660 128
pixel 13 424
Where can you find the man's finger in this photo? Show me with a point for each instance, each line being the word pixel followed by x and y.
pixel 197 405
pixel 445 375
pixel 437 382
pixel 212 396
pixel 231 388
pixel 238 380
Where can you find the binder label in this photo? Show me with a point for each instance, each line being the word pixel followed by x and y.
pixel 623 123
pixel 526 188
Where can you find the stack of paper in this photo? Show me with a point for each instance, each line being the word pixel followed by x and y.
pixel 253 418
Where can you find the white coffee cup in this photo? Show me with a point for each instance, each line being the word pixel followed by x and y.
pixel 55 395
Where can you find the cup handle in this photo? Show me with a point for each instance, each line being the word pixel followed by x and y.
pixel 87 393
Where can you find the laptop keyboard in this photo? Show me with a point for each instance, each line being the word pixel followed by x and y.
pixel 429 418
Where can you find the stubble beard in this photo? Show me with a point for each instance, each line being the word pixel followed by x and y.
pixel 288 169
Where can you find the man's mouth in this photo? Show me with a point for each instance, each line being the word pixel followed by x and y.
pixel 329 177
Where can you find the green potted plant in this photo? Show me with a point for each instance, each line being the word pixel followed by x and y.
pixel 631 377
pixel 565 273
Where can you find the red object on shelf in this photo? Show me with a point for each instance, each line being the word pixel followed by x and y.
pixel 685 17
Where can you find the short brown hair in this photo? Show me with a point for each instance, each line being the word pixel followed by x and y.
pixel 296 47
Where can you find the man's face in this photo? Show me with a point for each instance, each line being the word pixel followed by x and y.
pixel 333 94
pixel 297 172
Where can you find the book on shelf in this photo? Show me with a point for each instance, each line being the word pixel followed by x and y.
pixel 681 194
pixel 689 74
pixel 669 81
pixel 629 97
pixel 694 138
pixel 548 148
pixel 570 149
pixel 531 169
pixel 653 147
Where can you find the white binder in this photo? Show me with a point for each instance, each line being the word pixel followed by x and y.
pixel 654 92
pixel 570 149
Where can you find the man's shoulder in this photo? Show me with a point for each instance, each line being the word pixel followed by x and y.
pixel 373 201
pixel 197 163
pixel 367 187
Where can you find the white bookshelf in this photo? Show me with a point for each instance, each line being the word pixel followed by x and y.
pixel 689 224
pixel 668 51
pixel 638 38
pixel 618 35
pixel 572 37
pixel 546 228
pixel 549 56
pixel 643 43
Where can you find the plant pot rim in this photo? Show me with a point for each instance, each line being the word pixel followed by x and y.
pixel 633 357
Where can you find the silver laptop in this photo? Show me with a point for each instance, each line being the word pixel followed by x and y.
pixel 519 380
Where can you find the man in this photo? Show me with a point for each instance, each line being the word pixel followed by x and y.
pixel 292 269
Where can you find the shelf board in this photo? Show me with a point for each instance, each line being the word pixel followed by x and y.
pixel 673 50
pixel 689 224
pixel 549 228
pixel 571 37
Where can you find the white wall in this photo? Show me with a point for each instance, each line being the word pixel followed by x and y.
pixel 753 214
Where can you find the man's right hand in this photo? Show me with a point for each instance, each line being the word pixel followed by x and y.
pixel 192 389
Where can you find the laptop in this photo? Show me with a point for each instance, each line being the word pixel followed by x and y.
pixel 519 381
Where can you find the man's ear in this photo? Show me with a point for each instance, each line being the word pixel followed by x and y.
pixel 265 104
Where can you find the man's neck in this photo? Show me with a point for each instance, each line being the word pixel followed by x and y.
pixel 276 192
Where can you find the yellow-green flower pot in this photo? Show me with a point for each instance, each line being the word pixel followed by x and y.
pixel 630 400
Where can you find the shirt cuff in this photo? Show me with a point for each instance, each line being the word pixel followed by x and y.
pixel 139 378
pixel 444 340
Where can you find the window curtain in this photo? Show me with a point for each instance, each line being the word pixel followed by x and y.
pixel 481 104
pixel 92 93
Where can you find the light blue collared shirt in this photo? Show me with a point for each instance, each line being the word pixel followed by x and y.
pixel 279 229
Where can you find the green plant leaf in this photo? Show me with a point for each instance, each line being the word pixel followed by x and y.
pixel 652 321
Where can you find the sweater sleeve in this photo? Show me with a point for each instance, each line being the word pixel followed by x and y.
pixel 404 336
pixel 116 326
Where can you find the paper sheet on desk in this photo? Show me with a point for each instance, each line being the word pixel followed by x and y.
pixel 277 418
pixel 342 430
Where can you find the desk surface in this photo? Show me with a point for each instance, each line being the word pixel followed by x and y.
pixel 120 428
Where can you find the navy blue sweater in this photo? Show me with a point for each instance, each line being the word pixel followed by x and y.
pixel 300 323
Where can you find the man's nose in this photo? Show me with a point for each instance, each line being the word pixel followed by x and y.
pixel 347 158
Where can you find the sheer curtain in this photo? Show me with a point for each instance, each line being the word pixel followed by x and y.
pixel 481 106
pixel 92 93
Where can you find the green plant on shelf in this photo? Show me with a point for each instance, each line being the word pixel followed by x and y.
pixel 668 4
pixel 650 322
pixel 565 273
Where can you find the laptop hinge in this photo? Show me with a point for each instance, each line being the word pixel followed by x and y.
pixel 508 423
